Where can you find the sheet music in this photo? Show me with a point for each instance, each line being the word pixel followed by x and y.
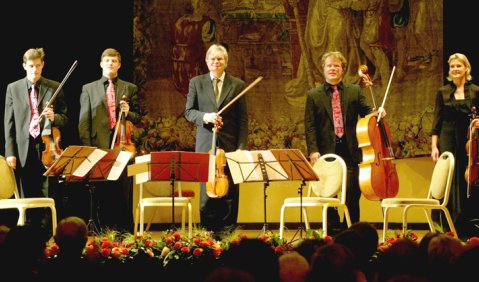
pixel 119 165
pixel 89 162
pixel 245 167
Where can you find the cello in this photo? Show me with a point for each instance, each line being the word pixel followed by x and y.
pixel 472 169
pixel 123 140
pixel 378 177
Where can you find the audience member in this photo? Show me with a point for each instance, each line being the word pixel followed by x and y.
pixel 332 262
pixel 293 267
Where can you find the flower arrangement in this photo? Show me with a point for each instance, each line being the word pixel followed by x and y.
pixel 172 247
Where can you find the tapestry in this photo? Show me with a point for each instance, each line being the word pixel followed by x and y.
pixel 399 41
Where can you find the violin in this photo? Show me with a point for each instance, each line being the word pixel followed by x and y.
pixel 218 188
pixel 123 141
pixel 52 150
pixel 378 177
pixel 472 170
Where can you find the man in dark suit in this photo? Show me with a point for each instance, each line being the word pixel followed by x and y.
pixel 97 123
pixel 201 109
pixel 26 121
pixel 321 136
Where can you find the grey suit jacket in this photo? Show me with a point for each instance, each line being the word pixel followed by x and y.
pixel 201 99
pixel 318 119
pixel 18 115
pixel 94 122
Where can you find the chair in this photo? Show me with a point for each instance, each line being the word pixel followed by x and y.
pixel 437 197
pixel 163 201
pixel 329 191
pixel 8 188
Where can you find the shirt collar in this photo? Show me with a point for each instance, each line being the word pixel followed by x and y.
pixel 105 79
pixel 222 77
pixel 329 89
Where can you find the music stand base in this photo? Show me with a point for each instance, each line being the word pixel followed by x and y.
pixel 92 228
pixel 301 227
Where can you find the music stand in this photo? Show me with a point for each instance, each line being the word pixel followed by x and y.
pixel 175 166
pixel 88 164
pixel 270 165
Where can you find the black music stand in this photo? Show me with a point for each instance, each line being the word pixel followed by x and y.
pixel 89 164
pixel 177 166
pixel 270 165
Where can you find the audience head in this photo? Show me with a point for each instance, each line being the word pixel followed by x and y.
pixel 71 236
pixel 254 256
pixel 293 267
pixel 308 247
pixel 332 262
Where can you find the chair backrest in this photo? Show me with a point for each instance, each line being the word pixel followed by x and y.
pixel 441 178
pixel 8 185
pixel 331 170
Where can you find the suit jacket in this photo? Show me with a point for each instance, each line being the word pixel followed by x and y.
pixel 318 119
pixel 201 99
pixel 94 121
pixel 18 114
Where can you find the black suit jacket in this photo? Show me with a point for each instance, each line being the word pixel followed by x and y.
pixel 18 115
pixel 201 99
pixel 94 122
pixel 318 118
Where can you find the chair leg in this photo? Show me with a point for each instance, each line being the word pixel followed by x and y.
pixel 347 216
pixel 305 217
pixel 137 215
pixel 429 220
pixel 148 225
pixel 54 219
pixel 385 223
pixel 325 220
pixel 449 221
pixel 21 216
pixel 142 218
pixel 183 218
pixel 281 222
pixel 190 221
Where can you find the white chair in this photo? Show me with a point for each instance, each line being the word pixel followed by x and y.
pixel 166 201
pixel 161 201
pixel 329 191
pixel 437 197
pixel 8 188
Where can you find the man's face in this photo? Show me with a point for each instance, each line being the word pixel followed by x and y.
pixel 333 70
pixel 33 69
pixel 110 66
pixel 216 63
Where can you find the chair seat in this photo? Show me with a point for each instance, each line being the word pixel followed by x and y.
pixel 27 202
pixel 310 200
pixel 164 200
pixel 408 201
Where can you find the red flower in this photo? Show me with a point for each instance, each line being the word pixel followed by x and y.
pixel 178 245
pixel 185 250
pixel 197 252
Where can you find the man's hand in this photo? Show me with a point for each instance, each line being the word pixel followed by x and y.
pixel 12 162
pixel 124 107
pixel 314 157
pixel 49 113
pixel 213 118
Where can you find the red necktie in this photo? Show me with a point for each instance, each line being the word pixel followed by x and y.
pixel 34 127
pixel 110 99
pixel 337 115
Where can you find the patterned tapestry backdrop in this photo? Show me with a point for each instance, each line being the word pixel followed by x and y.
pixel 283 40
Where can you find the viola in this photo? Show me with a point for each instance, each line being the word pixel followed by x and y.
pixel 378 178
pixel 472 169
pixel 123 140
pixel 219 187
pixel 52 150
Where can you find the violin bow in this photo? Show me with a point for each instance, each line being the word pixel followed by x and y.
pixel 48 104
pixel 380 110
pixel 241 94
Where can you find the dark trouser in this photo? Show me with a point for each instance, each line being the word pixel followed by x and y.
pixel 218 213
pixel 353 193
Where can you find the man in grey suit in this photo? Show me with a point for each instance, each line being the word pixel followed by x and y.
pixel 321 137
pixel 96 127
pixel 204 100
pixel 23 149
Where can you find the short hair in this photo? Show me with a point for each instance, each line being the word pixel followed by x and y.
pixel 217 49
pixel 463 59
pixel 110 52
pixel 71 234
pixel 335 55
pixel 34 53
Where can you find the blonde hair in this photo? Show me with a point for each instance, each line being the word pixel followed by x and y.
pixel 217 49
pixel 33 53
pixel 110 52
pixel 463 59
pixel 335 55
